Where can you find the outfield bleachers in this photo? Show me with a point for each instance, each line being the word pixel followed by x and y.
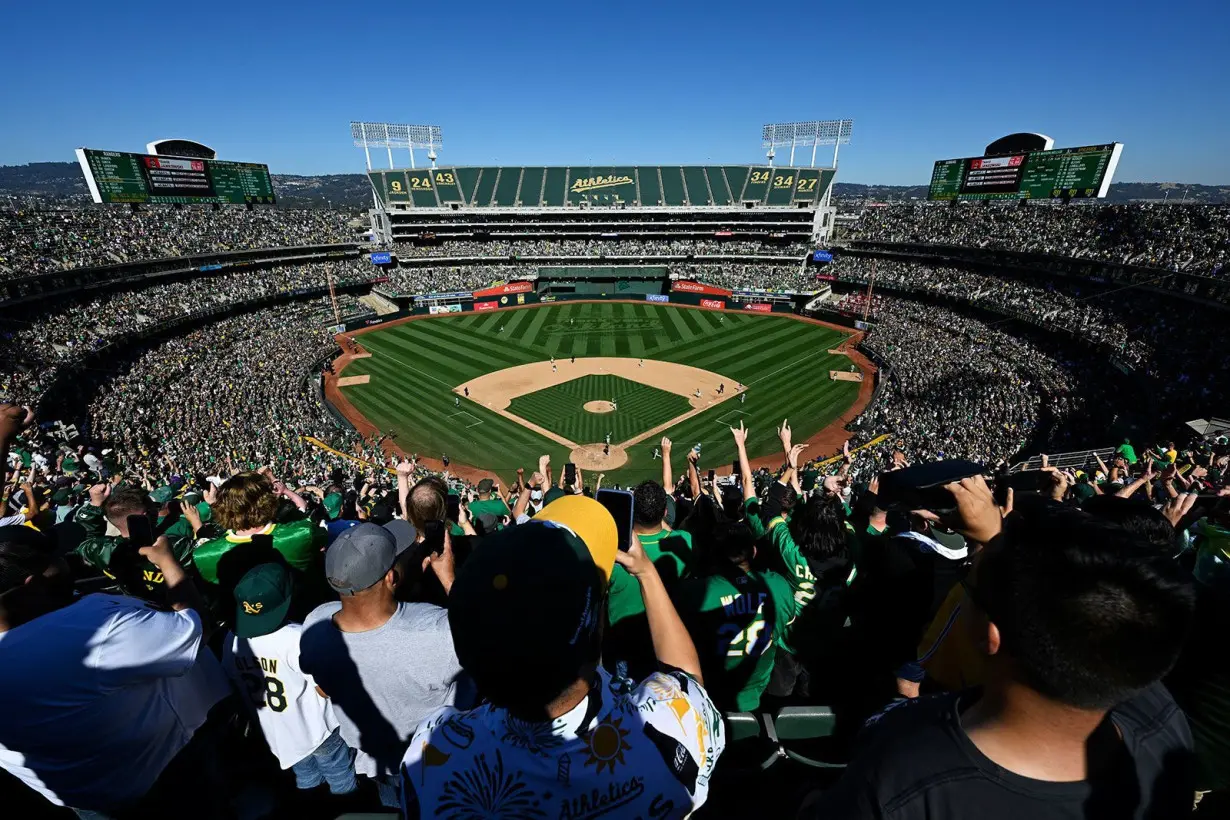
pixel 603 186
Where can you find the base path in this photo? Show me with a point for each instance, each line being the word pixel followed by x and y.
pixel 495 391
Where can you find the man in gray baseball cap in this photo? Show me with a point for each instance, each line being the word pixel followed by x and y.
pixel 361 557
pixel 386 665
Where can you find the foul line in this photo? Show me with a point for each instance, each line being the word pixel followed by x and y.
pixel 783 367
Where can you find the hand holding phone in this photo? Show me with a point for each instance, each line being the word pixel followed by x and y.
pixel 619 504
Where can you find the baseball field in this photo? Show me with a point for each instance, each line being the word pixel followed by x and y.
pixel 495 390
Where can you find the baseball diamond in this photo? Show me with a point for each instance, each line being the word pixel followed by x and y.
pixel 530 372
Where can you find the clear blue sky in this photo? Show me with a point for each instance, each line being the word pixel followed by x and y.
pixel 622 82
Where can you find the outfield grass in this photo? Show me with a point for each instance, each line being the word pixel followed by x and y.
pixel 560 409
pixel 415 365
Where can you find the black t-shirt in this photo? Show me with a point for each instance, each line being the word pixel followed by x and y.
pixel 917 762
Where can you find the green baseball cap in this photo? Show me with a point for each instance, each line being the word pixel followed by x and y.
pixel 162 495
pixel 262 599
pixel 333 505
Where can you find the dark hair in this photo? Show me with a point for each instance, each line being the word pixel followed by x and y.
pixel 1138 517
pixel 732 544
pixel 818 527
pixel 23 552
pixel 648 504
pixel 126 501
pixel 1091 612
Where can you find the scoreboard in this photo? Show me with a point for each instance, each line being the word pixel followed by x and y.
pixel 1060 172
pixel 116 176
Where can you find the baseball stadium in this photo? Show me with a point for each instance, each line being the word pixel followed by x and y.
pixel 602 490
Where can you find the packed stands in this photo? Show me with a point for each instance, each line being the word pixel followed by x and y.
pixel 1192 238
pixel 761 633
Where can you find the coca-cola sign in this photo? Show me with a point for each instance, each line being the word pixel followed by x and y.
pixel 712 304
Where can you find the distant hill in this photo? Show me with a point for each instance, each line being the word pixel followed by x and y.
pixel 62 181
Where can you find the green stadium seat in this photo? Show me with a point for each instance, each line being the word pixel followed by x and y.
pixel 741 726
pixel 748 750
pixel 802 723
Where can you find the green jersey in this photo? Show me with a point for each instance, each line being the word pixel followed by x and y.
pixel 798 572
pixel 671 553
pixel 299 542
pixel 735 620
pixel 490 506
pixel 116 558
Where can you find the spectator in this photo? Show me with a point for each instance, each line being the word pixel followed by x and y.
pixel 385 665
pixel 531 599
pixel 116 555
pixel 107 696
pixel 247 506
pixel 671 553
pixel 1080 621
pixel 261 657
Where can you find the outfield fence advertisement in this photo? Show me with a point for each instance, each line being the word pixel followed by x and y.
pixel 436 309
pixel 657 297
pixel 687 286
pixel 760 307
pixel 486 305
pixel 505 289
pixel 713 304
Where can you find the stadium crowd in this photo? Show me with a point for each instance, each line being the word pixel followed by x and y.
pixel 1193 238
pixel 634 248
pixel 461 279
pixel 205 615
pixel 305 639
pixel 42 340
pixel 41 240
pixel 1138 329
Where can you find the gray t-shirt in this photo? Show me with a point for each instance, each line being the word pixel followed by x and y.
pixel 383 682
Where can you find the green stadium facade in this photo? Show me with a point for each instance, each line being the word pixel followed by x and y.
pixel 579 201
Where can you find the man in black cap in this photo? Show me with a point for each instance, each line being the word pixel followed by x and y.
pixel 560 735
pixel 488 503
pixel 386 665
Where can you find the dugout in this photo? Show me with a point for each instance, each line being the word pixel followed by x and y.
pixel 619 281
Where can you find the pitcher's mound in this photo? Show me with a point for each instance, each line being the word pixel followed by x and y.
pixel 590 457
pixel 598 407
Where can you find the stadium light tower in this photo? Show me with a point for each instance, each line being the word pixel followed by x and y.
pixel 814 133
pixel 390 135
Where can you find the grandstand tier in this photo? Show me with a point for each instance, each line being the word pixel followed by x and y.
pixel 670 186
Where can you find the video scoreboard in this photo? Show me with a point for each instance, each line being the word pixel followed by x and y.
pixel 1057 173
pixel 116 176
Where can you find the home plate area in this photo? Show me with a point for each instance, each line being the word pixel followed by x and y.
pixel 561 400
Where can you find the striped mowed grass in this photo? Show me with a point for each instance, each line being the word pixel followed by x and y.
pixel 414 367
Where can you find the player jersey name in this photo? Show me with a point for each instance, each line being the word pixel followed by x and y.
pixel 743 604
pixel 267 665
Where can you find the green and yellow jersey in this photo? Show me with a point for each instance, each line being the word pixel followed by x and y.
pixel 812 611
pixel 735 619
pixel 299 542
